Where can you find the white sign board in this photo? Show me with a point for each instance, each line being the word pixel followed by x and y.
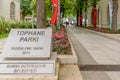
pixel 26 68
pixel 28 43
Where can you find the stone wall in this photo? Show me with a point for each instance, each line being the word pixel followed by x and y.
pixel 0 7
pixel 103 4
pixel 104 10
pixel 89 16
pixel 6 8
pixel 118 17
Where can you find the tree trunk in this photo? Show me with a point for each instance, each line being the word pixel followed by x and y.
pixel 114 15
pixel 41 14
pixel 80 17
pixel 77 17
pixel 85 20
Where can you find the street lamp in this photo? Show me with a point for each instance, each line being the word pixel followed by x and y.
pixel 33 19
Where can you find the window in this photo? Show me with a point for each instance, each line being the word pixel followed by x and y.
pixel 12 10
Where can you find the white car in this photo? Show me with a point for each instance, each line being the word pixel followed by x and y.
pixel 73 22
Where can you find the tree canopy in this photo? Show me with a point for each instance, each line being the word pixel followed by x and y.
pixel 67 7
pixel 25 7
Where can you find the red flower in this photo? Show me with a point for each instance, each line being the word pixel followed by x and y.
pixel 60 41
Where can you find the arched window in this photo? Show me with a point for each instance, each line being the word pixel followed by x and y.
pixel 12 10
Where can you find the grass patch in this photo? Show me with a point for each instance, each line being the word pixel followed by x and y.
pixel 4 35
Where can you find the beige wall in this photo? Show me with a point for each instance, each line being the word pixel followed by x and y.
pixel 7 8
pixel 119 17
pixel 103 6
pixel 89 16
pixel 18 10
pixel 0 7
pixel 104 9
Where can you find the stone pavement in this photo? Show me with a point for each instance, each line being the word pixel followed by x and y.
pixel 102 49
pixel 98 54
pixel 70 72
pixel 111 36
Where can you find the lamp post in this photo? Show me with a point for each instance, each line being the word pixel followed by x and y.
pixel 33 19
pixel 58 17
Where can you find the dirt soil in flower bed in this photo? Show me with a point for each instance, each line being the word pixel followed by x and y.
pixel 103 30
pixel 68 51
pixel 61 43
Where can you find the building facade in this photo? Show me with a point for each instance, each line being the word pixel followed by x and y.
pixel 10 9
pixel 104 12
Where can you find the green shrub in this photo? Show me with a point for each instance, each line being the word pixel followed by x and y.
pixel 6 26
pixel 4 35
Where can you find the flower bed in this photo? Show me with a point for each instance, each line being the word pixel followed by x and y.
pixel 61 43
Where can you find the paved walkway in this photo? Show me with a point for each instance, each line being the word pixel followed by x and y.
pixel 98 54
pixel 102 49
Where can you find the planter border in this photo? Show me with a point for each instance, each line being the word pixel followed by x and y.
pixel 69 59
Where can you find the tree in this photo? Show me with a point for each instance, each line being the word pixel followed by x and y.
pixel 66 7
pixel 78 7
pixel 85 12
pixel 94 3
pixel 62 7
pixel 48 7
pixel 41 14
pixel 114 15
pixel 25 4
pixel 81 11
pixel 33 6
